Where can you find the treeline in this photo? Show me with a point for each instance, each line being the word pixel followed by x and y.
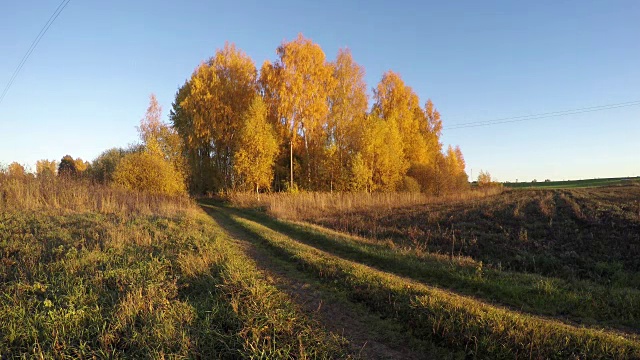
pixel 155 166
pixel 300 123
pixel 67 166
pixel 303 122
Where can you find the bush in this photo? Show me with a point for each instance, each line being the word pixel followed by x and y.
pixel 104 166
pixel 409 184
pixel 485 180
pixel 67 166
pixel 16 170
pixel 149 172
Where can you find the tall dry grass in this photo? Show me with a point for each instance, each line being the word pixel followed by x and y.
pixel 312 205
pixel 64 194
pixel 135 283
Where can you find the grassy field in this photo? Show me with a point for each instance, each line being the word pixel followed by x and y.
pixel 392 288
pixel 557 265
pixel 581 234
pixel 154 278
pixel 570 184
pixel 87 271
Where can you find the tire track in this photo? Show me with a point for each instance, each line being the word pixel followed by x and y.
pixel 336 314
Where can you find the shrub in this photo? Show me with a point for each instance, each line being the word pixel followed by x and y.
pixel 150 172
pixel 16 170
pixel 486 181
pixel 409 184
pixel 104 166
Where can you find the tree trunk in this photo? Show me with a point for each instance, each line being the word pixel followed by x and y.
pixel 308 157
pixel 291 163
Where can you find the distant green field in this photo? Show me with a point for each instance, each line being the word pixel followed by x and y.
pixel 575 183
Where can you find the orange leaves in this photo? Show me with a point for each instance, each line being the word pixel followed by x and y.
pixel 16 170
pixel 395 100
pixel 253 163
pixel 148 172
pixel 319 116
pixel 151 124
pixel 303 84
pixel 220 91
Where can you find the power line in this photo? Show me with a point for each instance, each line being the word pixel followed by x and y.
pixel 553 113
pixel 35 42
pixel 542 115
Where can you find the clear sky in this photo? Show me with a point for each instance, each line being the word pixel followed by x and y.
pixel 87 84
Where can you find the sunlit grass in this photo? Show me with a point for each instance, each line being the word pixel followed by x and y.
pixel 308 205
pixel 482 329
pixel 583 301
pixel 148 279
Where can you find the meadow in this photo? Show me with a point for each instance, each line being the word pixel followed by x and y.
pixel 567 184
pixel 88 270
pixel 500 274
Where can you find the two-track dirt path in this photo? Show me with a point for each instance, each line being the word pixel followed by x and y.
pixel 320 302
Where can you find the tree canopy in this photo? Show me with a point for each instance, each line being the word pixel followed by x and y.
pixel 156 167
pixel 257 148
pixel 316 111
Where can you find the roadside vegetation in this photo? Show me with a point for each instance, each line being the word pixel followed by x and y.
pixel 87 271
pixel 444 317
pixel 222 233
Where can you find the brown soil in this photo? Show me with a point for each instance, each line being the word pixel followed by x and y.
pixel 579 233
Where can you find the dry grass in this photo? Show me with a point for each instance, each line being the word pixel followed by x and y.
pixel 64 195
pixel 446 318
pixel 578 234
pixel 87 271
pixel 313 205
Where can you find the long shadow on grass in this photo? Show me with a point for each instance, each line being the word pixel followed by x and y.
pixel 223 217
pixel 580 302
pixel 215 329
pixel 435 316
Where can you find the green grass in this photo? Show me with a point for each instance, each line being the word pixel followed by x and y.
pixel 578 234
pixel 87 271
pixel 380 329
pixel 582 301
pixel 570 184
pixel 83 284
pixel 460 322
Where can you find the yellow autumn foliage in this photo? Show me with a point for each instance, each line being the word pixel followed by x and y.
pixel 46 168
pixel 148 171
pixel 258 147
pixel 16 170
pixel 327 136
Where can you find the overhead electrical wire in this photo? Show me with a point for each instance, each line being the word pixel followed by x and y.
pixel 541 115
pixel 35 42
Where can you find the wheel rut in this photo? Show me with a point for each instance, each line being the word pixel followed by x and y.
pixel 334 313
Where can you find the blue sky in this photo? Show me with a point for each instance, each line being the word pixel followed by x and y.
pixel 86 86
